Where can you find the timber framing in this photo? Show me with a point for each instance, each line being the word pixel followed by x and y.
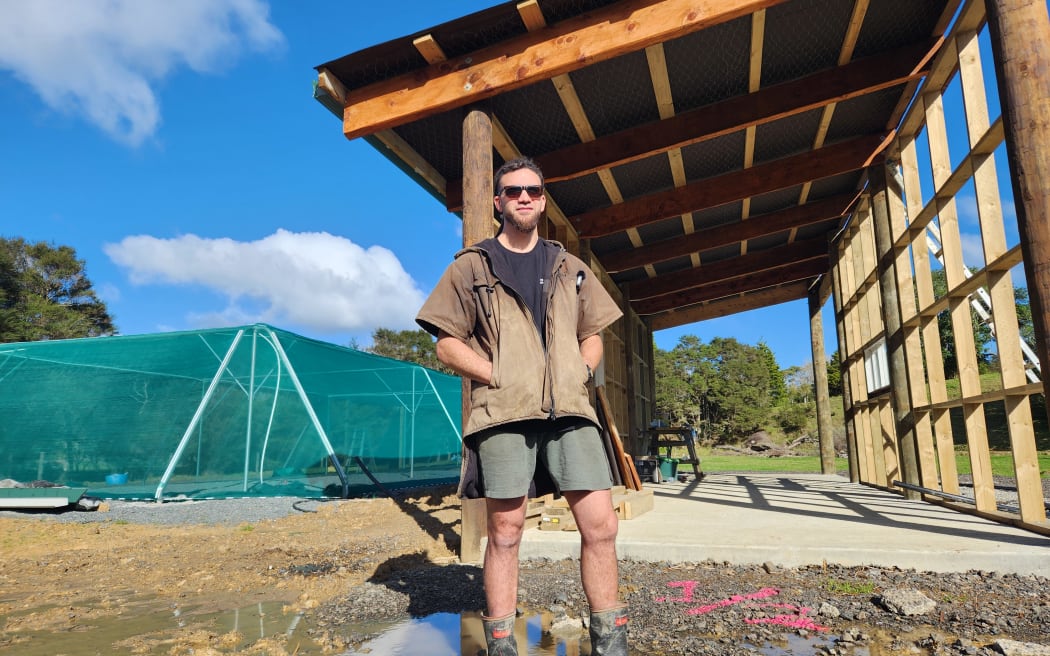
pixel 623 27
pixel 711 157
pixel 773 176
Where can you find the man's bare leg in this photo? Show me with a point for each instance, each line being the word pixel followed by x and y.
pixel 597 522
pixel 506 520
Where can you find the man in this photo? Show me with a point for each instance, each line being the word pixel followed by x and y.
pixel 521 318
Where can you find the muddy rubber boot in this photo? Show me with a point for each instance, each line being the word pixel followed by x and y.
pixel 499 636
pixel 609 632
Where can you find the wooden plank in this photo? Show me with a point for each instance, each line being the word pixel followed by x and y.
pixel 944 63
pixel 557 519
pixel 884 197
pixel 633 503
pixel 1025 80
pixel 629 474
pixel 681 316
pixel 749 265
pixel 473 527
pixel 429 48
pixel 844 350
pixel 734 114
pixel 959 309
pixel 770 176
pixel 541 55
pixel 786 274
pixel 757 226
pixel 1000 285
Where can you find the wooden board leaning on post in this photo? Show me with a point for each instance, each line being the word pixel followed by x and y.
pixel 624 462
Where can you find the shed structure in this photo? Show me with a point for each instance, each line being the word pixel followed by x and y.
pixel 710 157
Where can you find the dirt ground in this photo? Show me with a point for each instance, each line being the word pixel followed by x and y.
pixel 65 577
pixel 127 584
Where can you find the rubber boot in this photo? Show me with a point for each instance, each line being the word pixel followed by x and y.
pixel 499 636
pixel 609 632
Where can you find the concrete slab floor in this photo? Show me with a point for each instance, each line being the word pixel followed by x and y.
pixel 794 520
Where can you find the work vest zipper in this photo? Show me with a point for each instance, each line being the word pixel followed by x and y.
pixel 555 278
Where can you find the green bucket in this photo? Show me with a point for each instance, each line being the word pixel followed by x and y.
pixel 668 468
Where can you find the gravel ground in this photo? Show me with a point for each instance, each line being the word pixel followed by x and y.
pixel 722 610
pixel 695 608
pixel 173 513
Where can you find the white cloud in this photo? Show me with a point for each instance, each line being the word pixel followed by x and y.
pixel 101 58
pixel 313 280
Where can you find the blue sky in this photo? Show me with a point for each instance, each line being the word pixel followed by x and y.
pixel 177 147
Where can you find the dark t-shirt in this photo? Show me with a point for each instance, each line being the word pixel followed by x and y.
pixel 525 273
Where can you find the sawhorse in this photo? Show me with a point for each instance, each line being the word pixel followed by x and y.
pixel 671 436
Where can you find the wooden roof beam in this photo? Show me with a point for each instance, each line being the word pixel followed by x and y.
pixel 770 104
pixel 757 226
pixel 763 178
pixel 534 56
pixel 736 267
pixel 772 277
pixel 831 86
pixel 727 306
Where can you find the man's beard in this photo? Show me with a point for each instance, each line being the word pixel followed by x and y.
pixel 518 224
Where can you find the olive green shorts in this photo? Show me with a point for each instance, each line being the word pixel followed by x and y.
pixel 573 454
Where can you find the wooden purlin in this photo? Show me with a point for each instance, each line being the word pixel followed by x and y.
pixel 778 174
pixel 624 27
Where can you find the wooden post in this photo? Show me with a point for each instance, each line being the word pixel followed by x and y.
pixel 838 297
pixel 1020 36
pixel 477 225
pixel 903 417
pixel 477 177
pixel 630 339
pixel 820 380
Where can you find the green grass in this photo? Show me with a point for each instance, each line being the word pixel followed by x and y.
pixel 990 382
pixel 1002 464
pixel 711 462
pixel 836 586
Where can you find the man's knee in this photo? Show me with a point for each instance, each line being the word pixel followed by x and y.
pixel 601 527
pixel 505 528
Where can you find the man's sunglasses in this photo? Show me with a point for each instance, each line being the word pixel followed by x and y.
pixel 514 191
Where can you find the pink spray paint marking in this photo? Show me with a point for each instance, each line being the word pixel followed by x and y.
pixel 790 621
pixel 734 600
pixel 687 591
pixel 799 618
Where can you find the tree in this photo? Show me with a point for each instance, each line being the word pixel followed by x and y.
pixel 777 388
pixel 1024 316
pixel 835 374
pixel 982 331
pixel 680 388
pixel 722 388
pixel 407 345
pixel 45 294
pixel 982 334
pixel 739 388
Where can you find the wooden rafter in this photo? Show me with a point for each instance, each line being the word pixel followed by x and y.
pixel 533 18
pixel 757 226
pixel 735 267
pixel 770 278
pixel 727 306
pixel 754 83
pixel 849 44
pixel 834 85
pixel 603 34
pixel 770 176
